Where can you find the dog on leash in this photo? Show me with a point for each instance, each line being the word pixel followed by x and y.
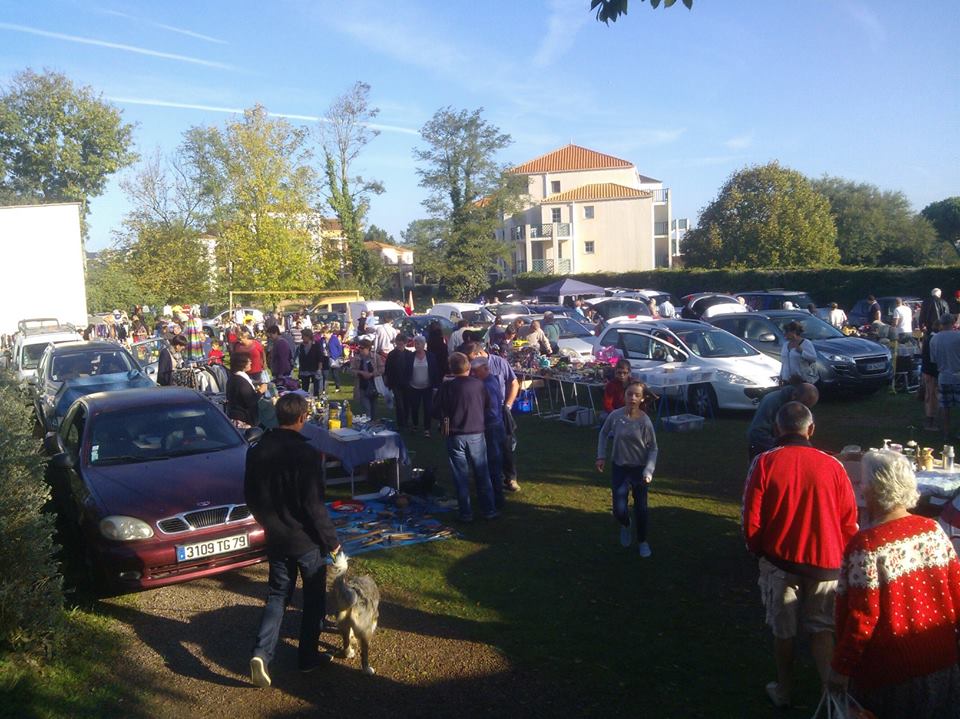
pixel 357 604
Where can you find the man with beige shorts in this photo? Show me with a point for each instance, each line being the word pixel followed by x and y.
pixel 799 512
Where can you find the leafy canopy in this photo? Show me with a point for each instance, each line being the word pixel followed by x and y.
pixel 945 218
pixel 764 216
pixel 469 193
pixel 58 142
pixel 874 226
pixel 609 10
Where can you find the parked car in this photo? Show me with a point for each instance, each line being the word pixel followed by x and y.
pixel 742 374
pixel 71 369
pixel 148 484
pixel 147 354
pixel 385 310
pixel 216 324
pixel 573 336
pixel 476 315
pixel 419 324
pixel 704 304
pixel 610 307
pixel 29 343
pixel 511 310
pixel 645 295
pixel 775 299
pixel 859 315
pixel 843 363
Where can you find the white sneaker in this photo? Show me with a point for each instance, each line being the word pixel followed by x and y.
pixel 645 550
pixel 258 672
pixel 625 536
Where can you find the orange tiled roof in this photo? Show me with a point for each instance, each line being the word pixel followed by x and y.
pixel 599 191
pixel 569 158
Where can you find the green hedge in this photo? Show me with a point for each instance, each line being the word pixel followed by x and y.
pixel 30 591
pixel 843 285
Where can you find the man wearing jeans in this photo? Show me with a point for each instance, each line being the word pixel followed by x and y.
pixel 461 404
pixel 283 486
pixel 494 432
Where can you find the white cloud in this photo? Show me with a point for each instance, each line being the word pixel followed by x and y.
pixel 149 102
pixel 868 21
pixel 171 28
pixel 114 46
pixel 740 142
pixel 565 20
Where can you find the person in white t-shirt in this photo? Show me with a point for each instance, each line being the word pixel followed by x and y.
pixel 838 318
pixel 903 318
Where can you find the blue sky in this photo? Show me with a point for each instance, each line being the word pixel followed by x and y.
pixel 868 90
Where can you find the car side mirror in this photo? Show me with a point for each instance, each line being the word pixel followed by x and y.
pixel 767 337
pixel 253 435
pixel 51 443
pixel 64 460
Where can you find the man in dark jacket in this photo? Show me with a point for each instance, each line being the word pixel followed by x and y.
pixel 462 404
pixel 933 308
pixel 394 371
pixel 167 362
pixel 284 490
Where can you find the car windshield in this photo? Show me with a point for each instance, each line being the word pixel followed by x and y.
pixel 571 328
pixel 511 309
pixel 146 434
pixel 715 343
pixel 32 355
pixel 475 316
pixel 71 365
pixel 622 308
pixel 387 316
pixel 813 327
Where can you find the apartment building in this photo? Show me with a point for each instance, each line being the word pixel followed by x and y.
pixel 588 212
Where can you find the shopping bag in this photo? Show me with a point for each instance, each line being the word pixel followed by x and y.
pixel 840 705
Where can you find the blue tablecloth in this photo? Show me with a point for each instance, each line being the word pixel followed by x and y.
pixel 357 452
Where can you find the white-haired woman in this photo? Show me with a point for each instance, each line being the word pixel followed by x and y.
pixel 421 376
pixel 898 603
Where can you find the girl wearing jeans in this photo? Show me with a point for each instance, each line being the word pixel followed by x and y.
pixel 634 458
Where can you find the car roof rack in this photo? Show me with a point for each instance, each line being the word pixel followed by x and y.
pixel 42 325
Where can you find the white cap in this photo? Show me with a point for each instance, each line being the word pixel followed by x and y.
pixel 935 292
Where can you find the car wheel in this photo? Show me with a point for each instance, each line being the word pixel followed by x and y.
pixel 703 400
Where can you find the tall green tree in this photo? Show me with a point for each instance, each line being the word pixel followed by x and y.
pixel 469 193
pixel 345 132
pixel 874 226
pixel 425 237
pixel 112 283
pixel 159 238
pixel 58 142
pixel 259 191
pixel 945 218
pixel 764 216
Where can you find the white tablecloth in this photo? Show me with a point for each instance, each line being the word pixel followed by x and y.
pixel 937 483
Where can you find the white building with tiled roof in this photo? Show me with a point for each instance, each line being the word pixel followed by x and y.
pixel 588 212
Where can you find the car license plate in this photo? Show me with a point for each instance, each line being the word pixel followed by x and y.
pixel 874 366
pixel 188 552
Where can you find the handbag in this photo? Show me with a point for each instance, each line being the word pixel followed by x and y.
pixel 840 705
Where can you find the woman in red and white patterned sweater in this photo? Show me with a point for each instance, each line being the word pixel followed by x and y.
pixel 898 604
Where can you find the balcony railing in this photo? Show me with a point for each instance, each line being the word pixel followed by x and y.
pixel 661 228
pixel 519 266
pixel 552 267
pixel 558 229
pixel 661 195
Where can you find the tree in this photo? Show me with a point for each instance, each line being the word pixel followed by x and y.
pixel 258 189
pixel 945 218
pixel 159 240
pixel 425 237
pixel 609 10
pixel 875 226
pixel 764 216
pixel 378 234
pixel 345 132
pixel 469 194
pixel 111 283
pixel 58 143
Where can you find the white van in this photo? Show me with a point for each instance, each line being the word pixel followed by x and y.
pixel 28 347
pixel 385 311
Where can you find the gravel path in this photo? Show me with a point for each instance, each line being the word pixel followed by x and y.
pixel 190 645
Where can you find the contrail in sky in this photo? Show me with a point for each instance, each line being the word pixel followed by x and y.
pixel 114 46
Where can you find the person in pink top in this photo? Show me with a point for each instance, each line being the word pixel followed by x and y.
pixel 898 604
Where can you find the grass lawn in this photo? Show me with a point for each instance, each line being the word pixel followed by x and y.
pixel 680 634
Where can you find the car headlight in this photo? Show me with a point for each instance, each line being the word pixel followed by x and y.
pixel 125 529
pixel 731 378
pixel 839 359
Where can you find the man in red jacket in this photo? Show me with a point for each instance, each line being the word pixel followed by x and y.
pixel 799 512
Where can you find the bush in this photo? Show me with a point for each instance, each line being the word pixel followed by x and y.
pixel 843 285
pixel 31 595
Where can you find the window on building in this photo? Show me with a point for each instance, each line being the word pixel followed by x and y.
pixel 555 214
pixel 588 212
pixel 555 186
pixel 588 247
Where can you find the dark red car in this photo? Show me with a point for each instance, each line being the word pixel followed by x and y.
pixel 149 484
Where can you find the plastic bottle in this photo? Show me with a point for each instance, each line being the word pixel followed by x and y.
pixel 343 415
pixel 349 415
pixel 948 458
pixel 333 422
